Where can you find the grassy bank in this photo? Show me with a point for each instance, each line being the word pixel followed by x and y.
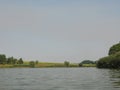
pixel 6 66
pixel 47 64
pixel 43 65
pixel 89 65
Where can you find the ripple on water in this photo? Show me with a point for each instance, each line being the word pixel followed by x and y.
pixel 59 79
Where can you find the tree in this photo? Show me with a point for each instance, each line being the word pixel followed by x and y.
pixel 36 62
pixel 20 61
pixel 14 61
pixel 112 60
pixel 66 63
pixel 114 49
pixel 10 60
pixel 2 59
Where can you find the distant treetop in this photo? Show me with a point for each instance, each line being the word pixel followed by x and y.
pixel 87 62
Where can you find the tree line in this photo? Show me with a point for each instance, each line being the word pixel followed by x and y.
pixel 20 63
pixel 10 60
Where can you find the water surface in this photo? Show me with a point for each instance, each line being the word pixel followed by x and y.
pixel 59 79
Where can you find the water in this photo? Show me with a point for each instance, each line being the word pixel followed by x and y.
pixel 59 79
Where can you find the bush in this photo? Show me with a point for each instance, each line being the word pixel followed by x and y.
pixel 87 62
pixel 80 65
pixel 66 63
pixel 32 64
pixel 111 61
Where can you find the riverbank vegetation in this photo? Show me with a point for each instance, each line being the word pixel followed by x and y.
pixel 87 63
pixel 11 62
pixel 112 60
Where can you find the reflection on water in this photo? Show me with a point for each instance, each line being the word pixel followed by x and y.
pixel 115 78
pixel 59 79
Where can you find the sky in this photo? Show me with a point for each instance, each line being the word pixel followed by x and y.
pixel 59 30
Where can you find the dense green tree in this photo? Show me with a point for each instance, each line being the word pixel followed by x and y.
pixel 2 59
pixel 10 60
pixel 66 63
pixel 115 48
pixel 14 61
pixel 20 61
pixel 111 61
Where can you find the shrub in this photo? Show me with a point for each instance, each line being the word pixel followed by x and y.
pixel 111 61
pixel 87 62
pixel 32 64
pixel 66 63
pixel 80 64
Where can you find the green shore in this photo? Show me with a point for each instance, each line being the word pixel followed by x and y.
pixel 44 65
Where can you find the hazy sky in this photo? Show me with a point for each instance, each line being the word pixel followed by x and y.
pixel 59 30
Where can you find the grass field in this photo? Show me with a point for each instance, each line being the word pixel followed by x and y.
pixel 47 64
pixel 89 65
pixel 44 65
pixel 6 66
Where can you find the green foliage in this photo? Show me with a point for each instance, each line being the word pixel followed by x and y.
pixel 36 62
pixel 11 60
pixel 66 63
pixel 20 61
pixel 114 49
pixel 14 61
pixel 87 62
pixel 80 65
pixel 111 61
pixel 32 64
pixel 2 59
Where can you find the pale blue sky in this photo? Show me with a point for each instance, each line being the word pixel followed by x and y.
pixel 58 30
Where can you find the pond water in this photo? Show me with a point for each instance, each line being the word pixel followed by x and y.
pixel 59 79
